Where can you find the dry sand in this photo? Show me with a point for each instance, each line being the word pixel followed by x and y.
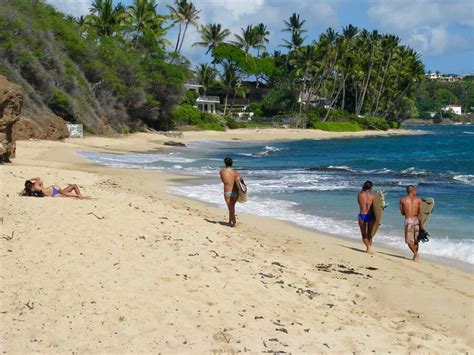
pixel 138 270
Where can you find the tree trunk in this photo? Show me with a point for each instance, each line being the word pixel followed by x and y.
pixel 179 37
pixel 381 89
pixel 344 92
pixel 225 102
pixel 182 38
pixel 366 82
pixel 333 101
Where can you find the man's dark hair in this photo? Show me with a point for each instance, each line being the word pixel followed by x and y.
pixel 410 188
pixel 228 162
pixel 367 185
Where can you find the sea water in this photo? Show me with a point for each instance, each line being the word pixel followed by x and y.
pixel 314 183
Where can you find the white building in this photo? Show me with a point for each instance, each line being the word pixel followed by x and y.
pixel 208 103
pixel 454 108
pixel 442 77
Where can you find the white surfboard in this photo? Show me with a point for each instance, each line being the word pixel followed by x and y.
pixel 426 209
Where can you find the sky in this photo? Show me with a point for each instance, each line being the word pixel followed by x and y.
pixel 442 31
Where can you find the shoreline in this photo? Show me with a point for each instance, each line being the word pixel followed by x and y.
pixel 180 179
pixel 137 269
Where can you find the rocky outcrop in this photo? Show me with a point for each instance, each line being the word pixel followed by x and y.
pixel 50 127
pixel 14 127
pixel 11 99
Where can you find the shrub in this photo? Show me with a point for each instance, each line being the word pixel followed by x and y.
pixel 210 117
pixel 256 108
pixel 190 97
pixel 337 126
pixel 232 123
pixel 394 124
pixel 278 101
pixel 372 123
pixel 211 126
pixel 186 114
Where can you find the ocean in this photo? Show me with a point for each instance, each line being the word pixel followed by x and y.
pixel 314 183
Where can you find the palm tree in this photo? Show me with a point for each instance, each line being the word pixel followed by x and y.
pixel 206 76
pixel 105 17
pixel 262 34
pixel 212 35
pixel 249 39
pixel 294 24
pixel 184 13
pixel 144 19
pixel 229 80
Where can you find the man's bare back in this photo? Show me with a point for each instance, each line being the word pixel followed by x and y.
pixel 410 206
pixel 410 209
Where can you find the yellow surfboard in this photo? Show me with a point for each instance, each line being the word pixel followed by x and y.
pixel 378 208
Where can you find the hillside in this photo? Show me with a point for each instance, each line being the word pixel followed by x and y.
pixel 108 83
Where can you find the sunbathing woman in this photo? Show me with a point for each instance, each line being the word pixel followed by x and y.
pixel 34 187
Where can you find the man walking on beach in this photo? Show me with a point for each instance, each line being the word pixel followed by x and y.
pixel 366 217
pixel 410 208
pixel 229 178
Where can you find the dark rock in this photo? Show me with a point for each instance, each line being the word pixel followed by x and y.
pixel 174 144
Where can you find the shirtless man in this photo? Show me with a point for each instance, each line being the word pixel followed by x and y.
pixel 410 208
pixel 229 177
pixel 366 216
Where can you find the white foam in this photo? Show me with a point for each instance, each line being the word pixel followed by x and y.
pixel 289 211
pixel 466 179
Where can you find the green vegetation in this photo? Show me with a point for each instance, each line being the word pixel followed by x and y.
pixel 109 70
pixel 432 96
pixel 114 70
pixel 337 126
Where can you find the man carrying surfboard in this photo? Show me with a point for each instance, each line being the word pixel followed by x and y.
pixel 229 178
pixel 366 217
pixel 410 208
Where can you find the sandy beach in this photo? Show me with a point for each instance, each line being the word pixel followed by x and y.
pixel 138 270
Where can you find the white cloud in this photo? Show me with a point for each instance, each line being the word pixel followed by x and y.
pixel 430 26
pixel 72 7
pixel 237 14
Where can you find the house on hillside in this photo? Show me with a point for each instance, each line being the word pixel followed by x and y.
pixel 453 108
pixel 208 103
pixel 192 85
pixel 437 76
pixel 314 100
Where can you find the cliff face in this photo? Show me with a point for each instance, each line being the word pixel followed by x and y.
pixel 14 127
pixel 108 83
pixel 11 100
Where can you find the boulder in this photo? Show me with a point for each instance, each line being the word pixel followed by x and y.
pixel 174 144
pixel 50 127
pixel 11 100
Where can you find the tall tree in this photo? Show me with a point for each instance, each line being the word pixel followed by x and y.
pixel 144 20
pixel 211 36
pixel 294 25
pixel 106 18
pixel 262 34
pixel 230 81
pixel 249 39
pixel 206 76
pixel 184 13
